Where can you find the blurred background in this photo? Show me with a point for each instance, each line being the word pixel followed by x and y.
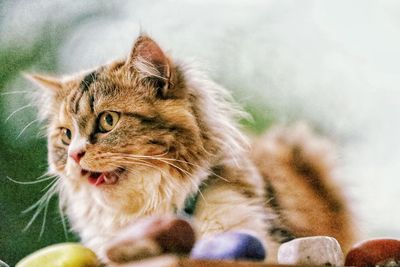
pixel 334 64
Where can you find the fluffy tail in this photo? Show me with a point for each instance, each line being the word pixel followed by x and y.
pixel 297 167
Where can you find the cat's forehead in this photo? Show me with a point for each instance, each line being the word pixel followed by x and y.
pixel 81 96
pixel 99 90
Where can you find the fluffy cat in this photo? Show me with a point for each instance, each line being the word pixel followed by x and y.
pixel 139 136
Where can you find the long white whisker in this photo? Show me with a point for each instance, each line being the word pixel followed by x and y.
pixel 49 185
pixel 138 162
pixel 162 160
pixel 144 163
pixel 41 204
pixel 155 157
pixel 15 92
pixel 44 218
pixel 15 111
pixel 64 224
pixel 26 127
pixel 29 182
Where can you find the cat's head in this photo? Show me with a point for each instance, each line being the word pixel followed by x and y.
pixel 111 124
pixel 132 127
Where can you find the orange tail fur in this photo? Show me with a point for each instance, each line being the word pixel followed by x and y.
pixel 297 167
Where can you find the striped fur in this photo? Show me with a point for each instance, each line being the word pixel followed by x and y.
pixel 178 130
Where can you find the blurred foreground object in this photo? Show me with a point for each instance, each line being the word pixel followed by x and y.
pixel 229 246
pixel 311 251
pixel 3 264
pixel 151 237
pixel 375 252
pixel 61 255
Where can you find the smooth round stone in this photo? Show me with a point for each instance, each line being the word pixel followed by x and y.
pixel 382 252
pixel 311 251
pixel 229 246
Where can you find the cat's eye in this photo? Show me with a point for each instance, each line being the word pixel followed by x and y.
pixel 108 120
pixel 66 136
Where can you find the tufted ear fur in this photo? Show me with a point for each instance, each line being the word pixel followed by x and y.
pixel 149 61
pixel 46 82
pixel 46 98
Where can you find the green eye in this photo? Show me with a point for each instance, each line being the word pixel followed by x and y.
pixel 108 120
pixel 66 136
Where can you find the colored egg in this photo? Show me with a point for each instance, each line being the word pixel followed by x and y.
pixel 61 255
pixel 375 252
pixel 229 246
pixel 311 251
pixel 150 237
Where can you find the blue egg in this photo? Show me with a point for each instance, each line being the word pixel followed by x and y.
pixel 229 246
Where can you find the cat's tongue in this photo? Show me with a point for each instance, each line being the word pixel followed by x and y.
pixel 98 178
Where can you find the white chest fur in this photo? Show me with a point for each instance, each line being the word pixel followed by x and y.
pixel 97 214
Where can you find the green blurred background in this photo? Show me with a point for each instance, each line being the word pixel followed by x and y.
pixel 23 157
pixel 333 65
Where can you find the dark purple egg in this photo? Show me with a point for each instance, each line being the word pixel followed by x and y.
pixel 229 246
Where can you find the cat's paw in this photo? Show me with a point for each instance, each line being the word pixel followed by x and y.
pixel 229 246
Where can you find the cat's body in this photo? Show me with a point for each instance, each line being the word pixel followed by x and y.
pixel 139 137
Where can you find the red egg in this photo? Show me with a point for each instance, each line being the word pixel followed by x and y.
pixel 374 252
pixel 150 237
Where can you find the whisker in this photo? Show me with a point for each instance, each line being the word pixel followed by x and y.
pixel 26 127
pixel 153 167
pixel 146 165
pixel 29 182
pixel 42 198
pixel 124 158
pixel 177 160
pixel 64 224
pixel 41 204
pixel 17 110
pixel 122 161
pixel 49 185
pixel 160 159
pixel 44 218
pixel 15 92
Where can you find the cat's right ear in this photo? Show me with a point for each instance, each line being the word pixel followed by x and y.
pixel 149 61
pixel 44 81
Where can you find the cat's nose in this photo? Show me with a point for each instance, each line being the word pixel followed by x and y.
pixel 77 155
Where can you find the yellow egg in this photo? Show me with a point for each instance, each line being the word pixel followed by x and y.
pixel 61 255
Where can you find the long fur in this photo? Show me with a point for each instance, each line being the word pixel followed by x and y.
pixel 178 132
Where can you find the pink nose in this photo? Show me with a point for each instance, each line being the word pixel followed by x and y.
pixel 77 155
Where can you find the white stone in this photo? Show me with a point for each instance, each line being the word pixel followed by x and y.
pixel 316 250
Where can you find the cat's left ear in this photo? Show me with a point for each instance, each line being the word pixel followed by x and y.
pixel 149 61
pixel 44 81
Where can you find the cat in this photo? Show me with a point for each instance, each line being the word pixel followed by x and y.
pixel 140 136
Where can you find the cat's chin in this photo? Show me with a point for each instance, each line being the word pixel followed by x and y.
pixel 102 178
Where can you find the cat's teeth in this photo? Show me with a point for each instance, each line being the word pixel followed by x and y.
pixel 110 178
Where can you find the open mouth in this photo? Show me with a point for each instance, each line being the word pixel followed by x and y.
pixel 99 178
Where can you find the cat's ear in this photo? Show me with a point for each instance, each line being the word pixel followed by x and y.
pixel 44 81
pixel 148 59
